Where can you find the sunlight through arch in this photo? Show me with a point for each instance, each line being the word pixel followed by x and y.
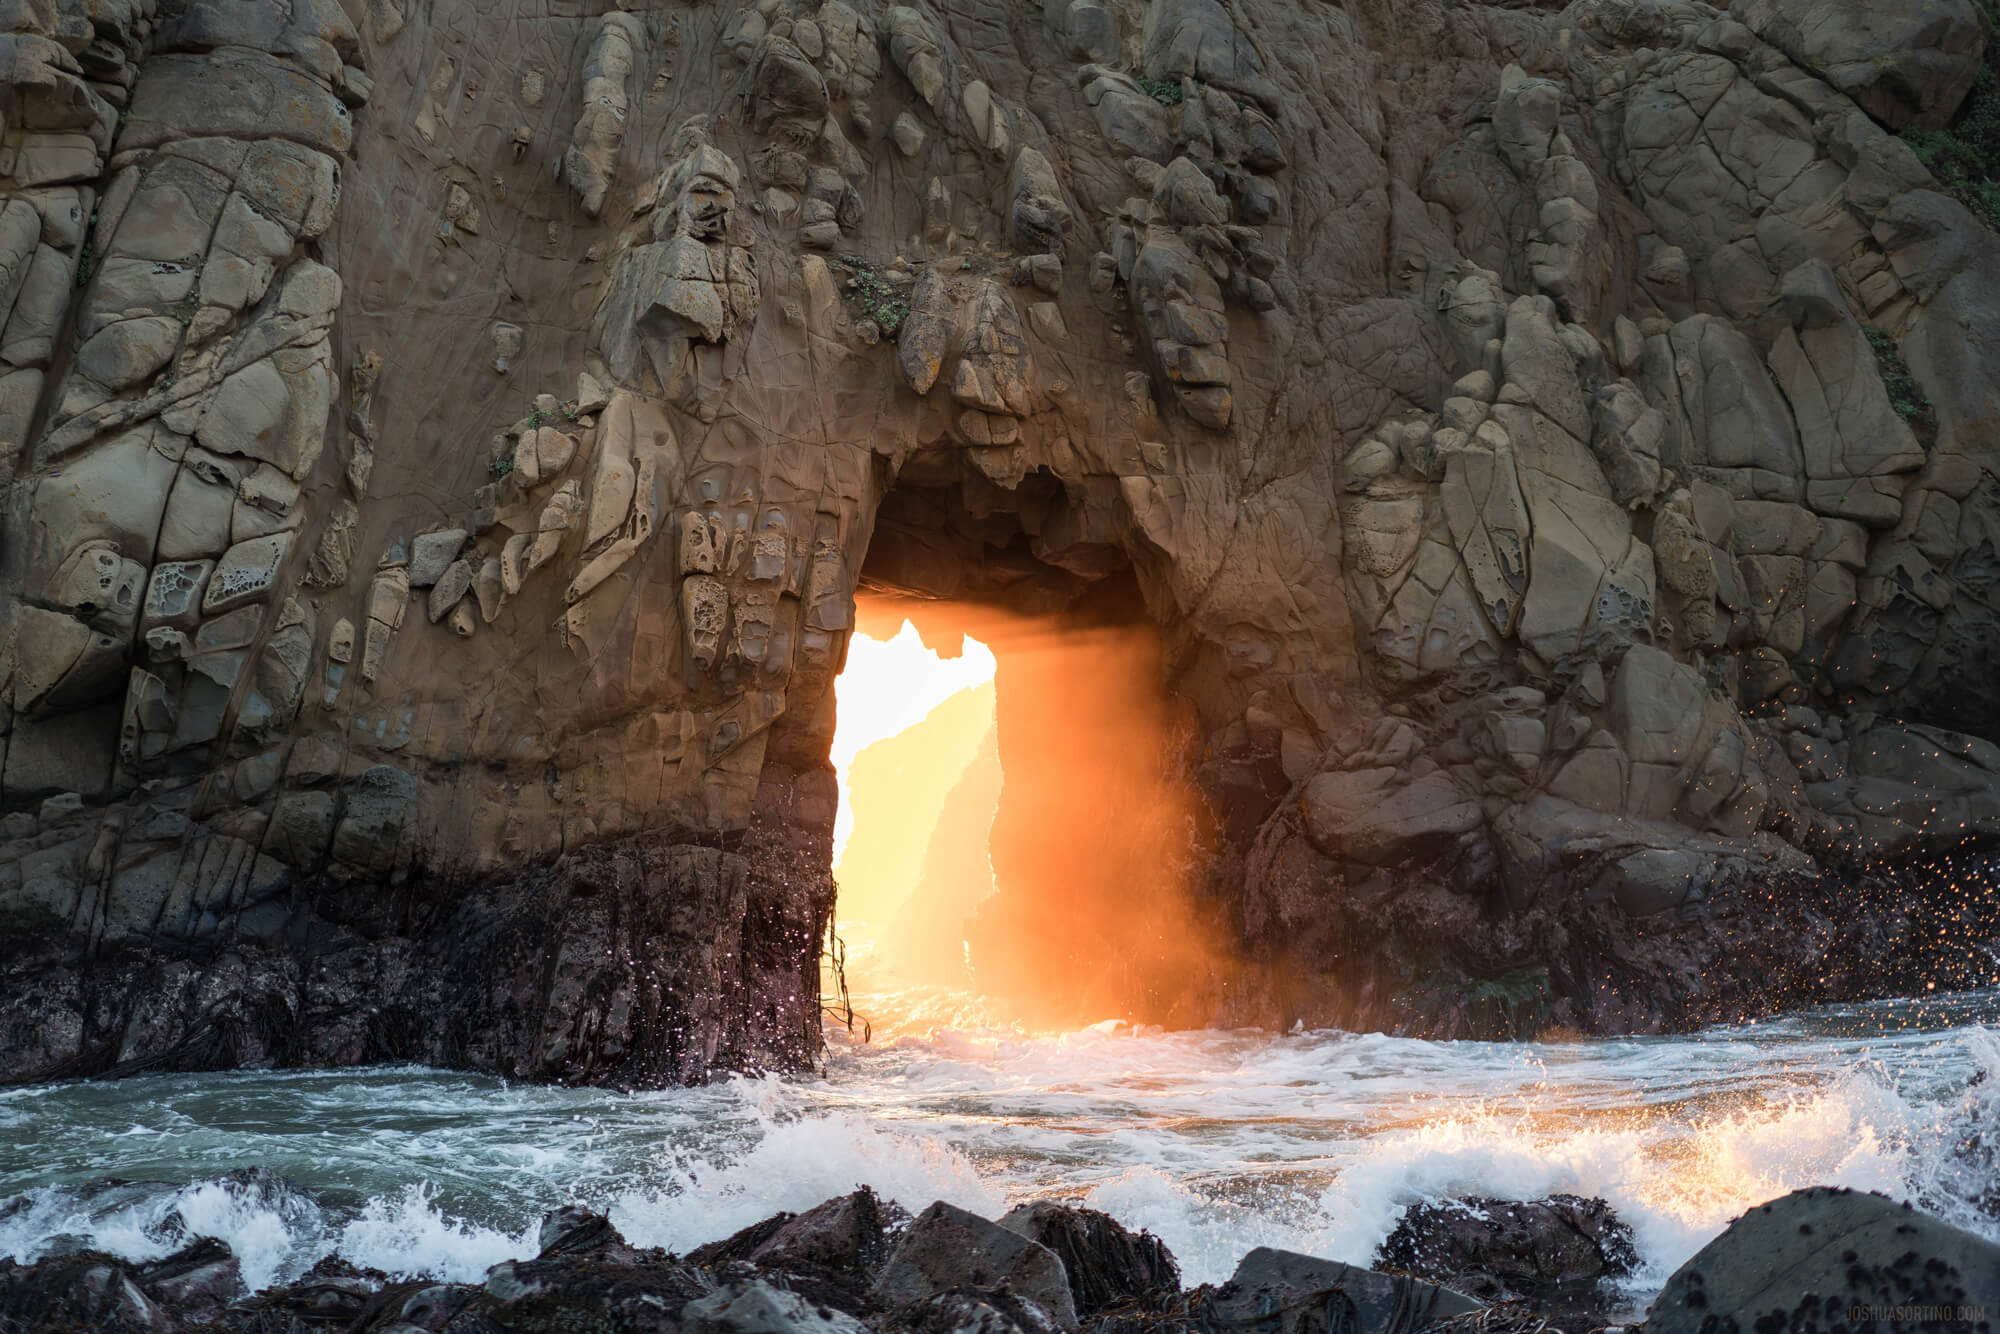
pixel 887 686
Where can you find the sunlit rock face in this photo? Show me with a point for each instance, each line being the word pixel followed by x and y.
pixel 443 447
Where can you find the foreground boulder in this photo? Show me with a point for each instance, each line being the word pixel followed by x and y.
pixel 1107 1265
pixel 332 1294
pixel 1823 1258
pixel 950 1269
pixel 1344 1296
pixel 1814 1261
pixel 1558 1254
pixel 997 1311
pixel 755 1307
pixel 830 1253
pixel 948 1248
pixel 196 1282
pixel 92 1291
pixel 849 1232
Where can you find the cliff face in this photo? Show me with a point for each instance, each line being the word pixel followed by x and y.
pixel 443 446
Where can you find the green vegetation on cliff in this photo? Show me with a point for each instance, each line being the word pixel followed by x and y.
pixel 1966 157
pixel 1906 396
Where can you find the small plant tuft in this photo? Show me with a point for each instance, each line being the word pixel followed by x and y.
pixel 1167 92
pixel 875 296
pixel 86 261
pixel 501 465
pixel 1906 396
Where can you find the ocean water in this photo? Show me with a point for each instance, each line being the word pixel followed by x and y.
pixel 1216 1141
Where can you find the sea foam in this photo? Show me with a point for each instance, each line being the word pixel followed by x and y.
pixel 1216 1142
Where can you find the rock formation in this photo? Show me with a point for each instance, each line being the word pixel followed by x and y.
pixel 852 1265
pixel 1483 404
pixel 860 1265
pixel 1562 1255
pixel 1816 1257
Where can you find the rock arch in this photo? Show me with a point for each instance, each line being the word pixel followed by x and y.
pixel 429 546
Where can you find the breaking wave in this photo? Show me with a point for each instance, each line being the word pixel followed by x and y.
pixel 1216 1142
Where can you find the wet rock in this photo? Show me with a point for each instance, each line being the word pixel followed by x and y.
pixel 573 1240
pixel 332 1292
pixel 573 1230
pixel 1106 1264
pixel 1000 1311
pixel 1816 1257
pixel 946 1247
pixel 78 1288
pixel 1560 1254
pixel 196 1282
pixel 1267 1282
pixel 82 1291
pixel 756 1307
pixel 629 1289
pixel 851 1232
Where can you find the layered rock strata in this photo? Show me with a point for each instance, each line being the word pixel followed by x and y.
pixel 443 451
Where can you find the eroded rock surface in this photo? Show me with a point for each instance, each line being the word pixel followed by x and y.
pixel 1484 404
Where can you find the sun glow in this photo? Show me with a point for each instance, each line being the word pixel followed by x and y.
pixel 1058 889
pixel 889 686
